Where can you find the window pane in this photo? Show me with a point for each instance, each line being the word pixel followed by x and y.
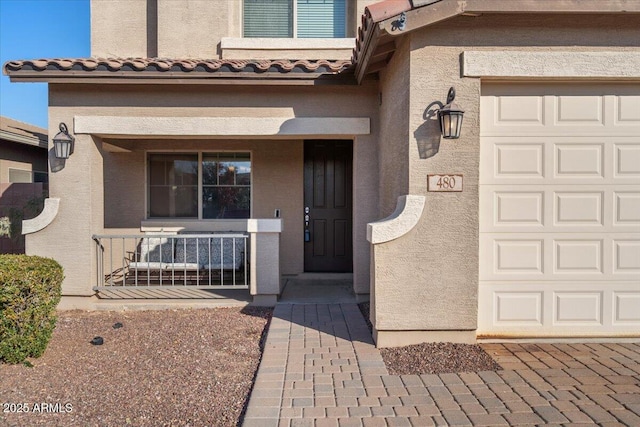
pixel 243 172
pixel 268 18
pixel 159 201
pixel 156 171
pixel 209 170
pixel 41 177
pixel 321 18
pixel 173 202
pixel 226 170
pixel 20 176
pixel 226 202
pixel 173 185
pixel 186 202
pixel 184 172
pixel 177 169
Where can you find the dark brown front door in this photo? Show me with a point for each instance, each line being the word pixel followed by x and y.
pixel 327 197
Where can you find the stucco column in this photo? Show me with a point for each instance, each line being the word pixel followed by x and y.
pixel 78 184
pixel 265 260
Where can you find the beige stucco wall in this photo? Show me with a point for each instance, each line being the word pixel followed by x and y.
pixel 394 129
pixel 430 275
pixel 119 28
pixel 277 164
pixel 68 238
pixel 194 28
pixel 5 165
pixel 20 156
pixel 184 29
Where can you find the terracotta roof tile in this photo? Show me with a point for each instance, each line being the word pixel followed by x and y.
pixel 160 65
pixel 386 9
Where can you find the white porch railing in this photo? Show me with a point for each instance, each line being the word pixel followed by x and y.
pixel 197 261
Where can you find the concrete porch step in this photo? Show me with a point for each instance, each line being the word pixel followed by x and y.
pixel 318 288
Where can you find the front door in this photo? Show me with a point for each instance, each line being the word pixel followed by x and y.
pixel 327 197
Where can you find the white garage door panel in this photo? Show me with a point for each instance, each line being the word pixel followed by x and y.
pixel 555 160
pixel 550 309
pixel 560 256
pixel 570 110
pixel 560 210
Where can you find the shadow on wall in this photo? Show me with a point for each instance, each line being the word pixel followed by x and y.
pixel 18 201
pixel 55 164
pixel 427 135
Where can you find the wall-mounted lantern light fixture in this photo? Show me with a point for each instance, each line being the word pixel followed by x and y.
pixel 63 143
pixel 450 117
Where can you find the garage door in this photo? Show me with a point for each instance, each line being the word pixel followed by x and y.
pixel 560 210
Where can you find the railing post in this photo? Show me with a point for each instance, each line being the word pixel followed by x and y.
pixel 265 282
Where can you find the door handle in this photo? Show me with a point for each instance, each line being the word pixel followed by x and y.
pixel 307 232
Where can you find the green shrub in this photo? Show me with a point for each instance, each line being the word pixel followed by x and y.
pixel 29 294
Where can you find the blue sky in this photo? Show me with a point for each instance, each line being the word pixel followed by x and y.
pixel 32 29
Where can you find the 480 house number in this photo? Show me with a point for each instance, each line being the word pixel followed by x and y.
pixel 445 183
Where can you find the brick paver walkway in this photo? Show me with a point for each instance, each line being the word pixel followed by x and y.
pixel 320 368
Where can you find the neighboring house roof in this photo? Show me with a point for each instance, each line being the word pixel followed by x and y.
pixel 22 133
pixel 182 68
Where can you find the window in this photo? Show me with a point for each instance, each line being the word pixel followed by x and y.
pixel 226 185
pixel 200 185
pixel 20 176
pixel 295 18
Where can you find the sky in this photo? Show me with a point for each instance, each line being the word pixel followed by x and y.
pixel 34 29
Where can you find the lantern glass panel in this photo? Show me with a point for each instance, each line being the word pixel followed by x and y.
pixel 62 148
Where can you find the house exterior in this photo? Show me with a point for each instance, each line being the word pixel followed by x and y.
pixel 332 160
pixel 23 172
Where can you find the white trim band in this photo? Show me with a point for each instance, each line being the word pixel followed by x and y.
pixel 120 126
pixel 565 64
pixel 264 225
pixel 400 222
pixel 266 43
pixel 45 218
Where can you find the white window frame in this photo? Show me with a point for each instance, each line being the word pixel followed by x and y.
pixel 30 172
pixel 200 188
pixel 295 23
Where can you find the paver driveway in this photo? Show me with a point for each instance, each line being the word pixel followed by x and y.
pixel 320 368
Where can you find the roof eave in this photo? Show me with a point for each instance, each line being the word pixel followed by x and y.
pixel 21 139
pixel 181 78
pixel 447 9
pixel 431 13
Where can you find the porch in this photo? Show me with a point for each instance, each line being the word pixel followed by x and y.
pixel 190 262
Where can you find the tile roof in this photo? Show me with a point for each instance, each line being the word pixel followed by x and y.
pixel 369 33
pixel 156 67
pixel 386 9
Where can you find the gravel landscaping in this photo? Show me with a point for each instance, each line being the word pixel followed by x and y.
pixel 178 368
pixel 434 358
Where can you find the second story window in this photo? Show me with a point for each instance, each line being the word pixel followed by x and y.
pixel 295 18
